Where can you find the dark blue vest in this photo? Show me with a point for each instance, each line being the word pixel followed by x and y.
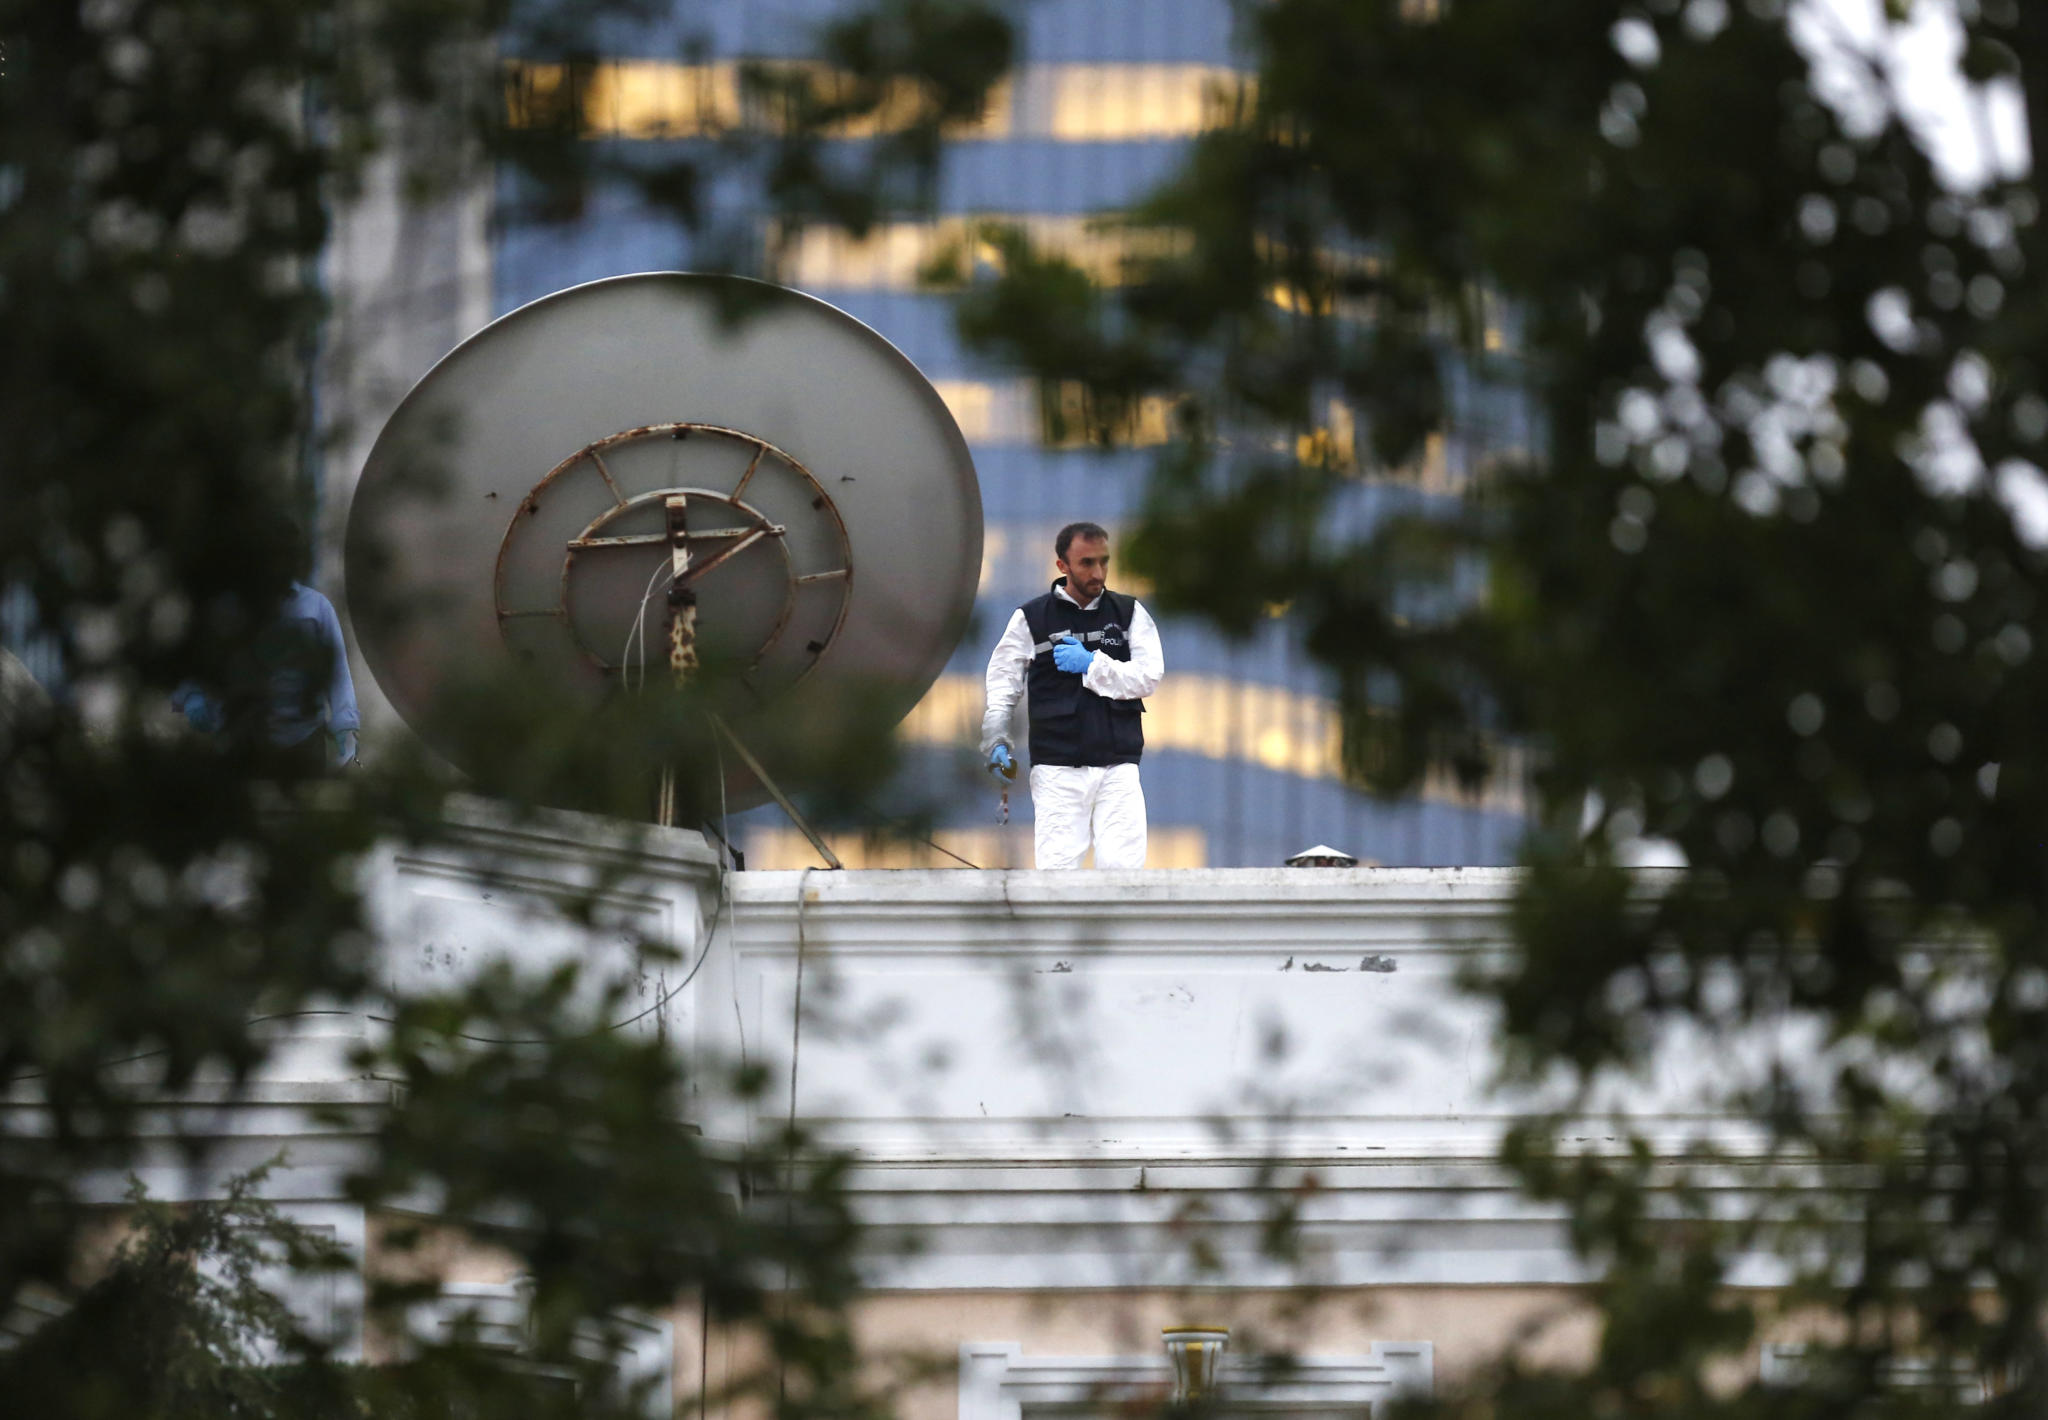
pixel 1071 724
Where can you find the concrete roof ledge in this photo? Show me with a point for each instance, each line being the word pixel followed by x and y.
pixel 1139 888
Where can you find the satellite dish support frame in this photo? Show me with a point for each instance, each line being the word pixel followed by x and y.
pixel 682 661
pixel 649 341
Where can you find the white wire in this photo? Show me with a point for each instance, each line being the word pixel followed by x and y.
pixel 639 625
pixel 732 902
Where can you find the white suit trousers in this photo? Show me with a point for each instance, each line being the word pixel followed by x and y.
pixel 1073 806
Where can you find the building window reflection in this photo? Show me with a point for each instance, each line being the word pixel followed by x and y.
pixel 1074 103
pixel 772 848
pixel 1124 102
pixel 1273 727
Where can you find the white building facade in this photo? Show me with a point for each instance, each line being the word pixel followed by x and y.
pixel 1075 1101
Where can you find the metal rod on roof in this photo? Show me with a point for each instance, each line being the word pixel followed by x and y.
pixel 775 792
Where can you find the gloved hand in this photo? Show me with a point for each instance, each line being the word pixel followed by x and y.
pixel 201 711
pixel 1071 655
pixel 344 748
pixel 1002 763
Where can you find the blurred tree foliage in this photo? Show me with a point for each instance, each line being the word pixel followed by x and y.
pixel 185 1320
pixel 1760 584
pixel 167 173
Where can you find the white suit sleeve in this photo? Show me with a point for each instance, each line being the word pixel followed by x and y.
pixel 1140 675
pixel 1004 684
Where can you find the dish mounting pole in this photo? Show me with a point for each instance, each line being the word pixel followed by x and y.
pixel 682 663
pixel 682 629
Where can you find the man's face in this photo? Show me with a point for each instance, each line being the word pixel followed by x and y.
pixel 1086 567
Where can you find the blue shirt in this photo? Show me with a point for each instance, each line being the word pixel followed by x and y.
pixel 305 663
pixel 308 695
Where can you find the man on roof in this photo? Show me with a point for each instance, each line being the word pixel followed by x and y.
pixel 1083 658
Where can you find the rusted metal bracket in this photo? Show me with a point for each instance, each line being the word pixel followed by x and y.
pixel 682 629
pixel 587 476
pixel 692 571
pixel 585 544
pixel 682 598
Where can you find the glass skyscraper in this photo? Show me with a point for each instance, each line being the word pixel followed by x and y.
pixel 1241 764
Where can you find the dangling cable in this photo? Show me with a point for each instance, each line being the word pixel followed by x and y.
pixel 639 626
pixel 732 904
pixel 796 1045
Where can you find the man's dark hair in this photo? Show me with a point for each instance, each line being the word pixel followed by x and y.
pixel 1074 530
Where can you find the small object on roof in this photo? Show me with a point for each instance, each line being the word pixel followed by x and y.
pixel 1322 856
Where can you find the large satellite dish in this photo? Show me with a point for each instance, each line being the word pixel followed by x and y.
pixel 531 501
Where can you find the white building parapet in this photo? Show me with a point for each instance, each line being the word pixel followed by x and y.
pixel 1080 1079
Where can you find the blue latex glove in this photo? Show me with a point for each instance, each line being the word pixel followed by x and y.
pixel 1002 763
pixel 344 748
pixel 1071 656
pixel 201 711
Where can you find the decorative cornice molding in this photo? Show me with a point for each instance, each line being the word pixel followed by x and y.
pixel 999 1382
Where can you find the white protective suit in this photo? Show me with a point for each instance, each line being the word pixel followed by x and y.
pixel 1076 805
